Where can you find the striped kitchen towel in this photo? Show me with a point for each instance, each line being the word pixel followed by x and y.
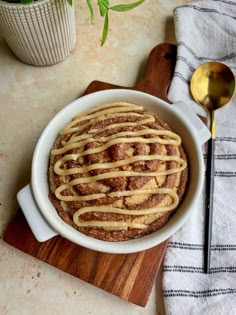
pixel 206 31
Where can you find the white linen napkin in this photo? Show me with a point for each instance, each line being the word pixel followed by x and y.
pixel 206 31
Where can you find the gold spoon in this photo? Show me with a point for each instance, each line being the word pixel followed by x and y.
pixel 212 86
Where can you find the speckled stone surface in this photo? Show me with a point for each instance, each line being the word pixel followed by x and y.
pixel 29 98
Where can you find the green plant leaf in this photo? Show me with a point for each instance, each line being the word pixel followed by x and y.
pixel 105 29
pixel 126 7
pixel 70 2
pixel 90 10
pixel 103 6
pixel 26 1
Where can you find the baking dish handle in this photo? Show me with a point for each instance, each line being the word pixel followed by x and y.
pixel 40 228
pixel 202 132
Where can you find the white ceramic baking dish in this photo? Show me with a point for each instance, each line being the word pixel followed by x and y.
pixel 42 216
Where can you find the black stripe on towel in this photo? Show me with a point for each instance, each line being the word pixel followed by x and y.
pixel 185 60
pixel 225 174
pixel 185 246
pixel 190 66
pixel 190 246
pixel 179 75
pixel 225 156
pixel 229 56
pixel 198 294
pixel 229 139
pixel 190 269
pixel 226 2
pixel 206 10
pixel 222 156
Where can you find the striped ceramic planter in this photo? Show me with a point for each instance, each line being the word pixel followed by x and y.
pixel 41 33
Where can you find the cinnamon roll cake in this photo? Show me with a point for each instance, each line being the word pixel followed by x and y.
pixel 117 172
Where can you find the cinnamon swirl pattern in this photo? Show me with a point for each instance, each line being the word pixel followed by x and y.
pixel 117 172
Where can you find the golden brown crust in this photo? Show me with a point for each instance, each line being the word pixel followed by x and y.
pixel 114 153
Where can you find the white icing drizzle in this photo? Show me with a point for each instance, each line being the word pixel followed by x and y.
pixel 108 112
pixel 148 119
pixel 175 141
pixel 105 106
pixel 79 170
pixel 120 224
pixel 77 140
pixel 96 117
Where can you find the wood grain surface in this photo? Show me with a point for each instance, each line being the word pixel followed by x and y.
pixel 129 276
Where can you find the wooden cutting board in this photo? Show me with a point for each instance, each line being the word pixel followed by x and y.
pixel 129 276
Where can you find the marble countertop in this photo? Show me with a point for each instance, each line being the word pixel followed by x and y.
pixel 29 98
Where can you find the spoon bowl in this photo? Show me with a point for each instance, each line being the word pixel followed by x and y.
pixel 212 85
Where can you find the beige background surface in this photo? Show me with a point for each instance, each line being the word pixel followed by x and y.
pixel 29 98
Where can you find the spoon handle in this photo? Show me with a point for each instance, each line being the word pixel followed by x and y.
pixel 210 168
